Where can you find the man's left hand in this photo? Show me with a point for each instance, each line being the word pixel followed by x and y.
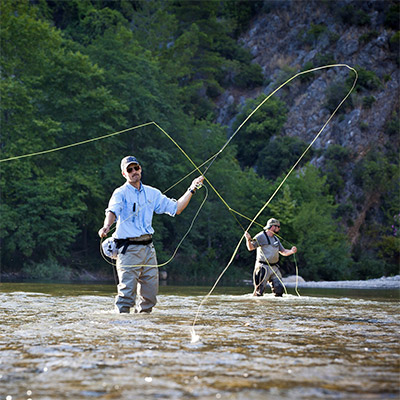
pixel 197 182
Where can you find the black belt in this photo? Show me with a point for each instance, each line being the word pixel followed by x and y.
pixel 266 263
pixel 124 243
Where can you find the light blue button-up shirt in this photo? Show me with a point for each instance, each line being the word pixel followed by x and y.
pixel 134 209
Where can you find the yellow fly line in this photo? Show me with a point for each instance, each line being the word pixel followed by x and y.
pixel 196 337
pixel 75 144
pixel 177 247
pixel 211 160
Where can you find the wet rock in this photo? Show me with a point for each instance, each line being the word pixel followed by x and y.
pixel 293 279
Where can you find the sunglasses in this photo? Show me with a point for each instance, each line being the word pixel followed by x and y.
pixel 278 226
pixel 130 169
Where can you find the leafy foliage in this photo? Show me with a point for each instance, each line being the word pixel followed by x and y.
pixel 311 36
pixel 201 53
pixel 379 175
pixel 393 125
pixel 335 94
pixel 392 16
pixel 76 70
pixel 353 15
pixel 324 251
pixel 61 100
pixel 337 158
pixel 279 154
pixel 266 122
pixel 374 172
pixel 241 12
pixel 367 80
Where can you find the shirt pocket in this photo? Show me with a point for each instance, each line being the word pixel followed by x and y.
pixel 130 210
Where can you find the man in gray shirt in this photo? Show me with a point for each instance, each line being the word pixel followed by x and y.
pixel 266 268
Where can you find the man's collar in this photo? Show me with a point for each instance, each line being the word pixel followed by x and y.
pixel 133 187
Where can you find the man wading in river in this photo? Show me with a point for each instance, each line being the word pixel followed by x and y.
pixel 266 268
pixel 133 205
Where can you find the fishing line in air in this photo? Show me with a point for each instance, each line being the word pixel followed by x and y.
pixel 213 158
pixel 75 144
pixel 194 336
pixel 108 136
pixel 177 247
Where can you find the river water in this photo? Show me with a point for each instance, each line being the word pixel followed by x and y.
pixel 65 342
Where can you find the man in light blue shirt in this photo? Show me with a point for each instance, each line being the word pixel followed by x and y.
pixel 132 205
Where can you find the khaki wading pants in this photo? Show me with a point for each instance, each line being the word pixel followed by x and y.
pixel 142 281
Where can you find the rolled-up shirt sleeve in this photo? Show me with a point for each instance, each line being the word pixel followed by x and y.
pixel 257 241
pixel 165 205
pixel 116 203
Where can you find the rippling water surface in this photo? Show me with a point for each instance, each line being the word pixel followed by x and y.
pixel 65 342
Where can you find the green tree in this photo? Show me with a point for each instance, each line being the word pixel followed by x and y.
pixel 324 251
pixel 283 207
pixel 377 251
pixel 52 96
pixel 154 26
pixel 266 122
pixel 241 12
pixel 336 159
pixel 367 80
pixel 374 172
pixel 279 154
pixel 204 57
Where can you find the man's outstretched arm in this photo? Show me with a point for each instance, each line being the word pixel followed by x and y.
pixel 185 198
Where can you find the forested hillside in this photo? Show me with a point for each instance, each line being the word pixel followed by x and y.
pixel 74 71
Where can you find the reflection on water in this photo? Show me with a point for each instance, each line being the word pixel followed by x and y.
pixel 64 342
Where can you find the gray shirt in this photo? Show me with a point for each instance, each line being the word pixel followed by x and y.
pixel 268 248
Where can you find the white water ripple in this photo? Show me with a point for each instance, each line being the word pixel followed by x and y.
pixel 67 343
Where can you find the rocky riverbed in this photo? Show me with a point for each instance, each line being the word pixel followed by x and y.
pixel 391 282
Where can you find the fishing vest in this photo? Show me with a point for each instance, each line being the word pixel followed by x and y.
pixel 268 249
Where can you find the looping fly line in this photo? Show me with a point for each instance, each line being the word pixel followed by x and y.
pixel 177 247
pixel 213 157
pixel 196 337
pixel 211 160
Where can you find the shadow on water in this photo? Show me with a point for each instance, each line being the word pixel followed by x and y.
pixel 63 341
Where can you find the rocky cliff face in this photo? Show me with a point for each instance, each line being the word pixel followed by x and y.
pixel 292 36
